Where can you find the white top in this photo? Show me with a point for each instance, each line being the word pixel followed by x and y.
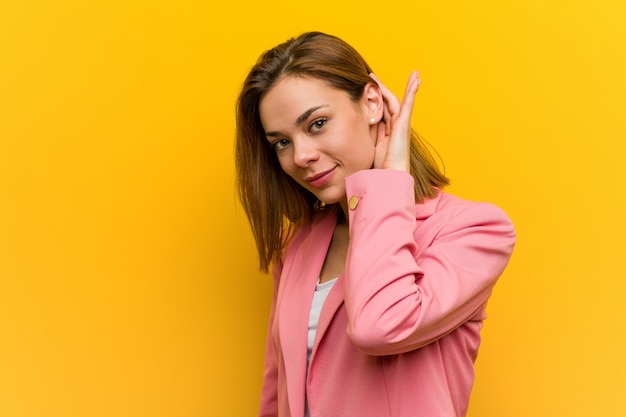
pixel 319 296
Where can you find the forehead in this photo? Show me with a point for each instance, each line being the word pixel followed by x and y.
pixel 291 96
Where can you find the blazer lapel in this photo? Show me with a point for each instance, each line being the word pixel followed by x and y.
pixel 331 305
pixel 301 270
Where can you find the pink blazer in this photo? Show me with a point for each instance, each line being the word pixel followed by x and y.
pixel 399 332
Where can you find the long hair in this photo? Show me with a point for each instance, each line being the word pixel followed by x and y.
pixel 274 203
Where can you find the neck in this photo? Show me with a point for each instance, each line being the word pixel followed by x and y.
pixel 342 216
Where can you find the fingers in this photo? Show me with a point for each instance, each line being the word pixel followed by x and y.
pixel 409 94
pixel 381 134
pixel 394 145
pixel 382 143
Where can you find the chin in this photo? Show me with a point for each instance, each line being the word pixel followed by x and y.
pixel 330 195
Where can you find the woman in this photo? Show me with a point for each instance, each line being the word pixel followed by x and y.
pixel 381 278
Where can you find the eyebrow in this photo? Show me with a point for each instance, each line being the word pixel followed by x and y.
pixel 300 118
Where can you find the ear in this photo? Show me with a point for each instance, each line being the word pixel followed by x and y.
pixel 373 102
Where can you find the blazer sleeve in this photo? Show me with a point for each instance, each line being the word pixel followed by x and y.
pixel 269 392
pixel 404 289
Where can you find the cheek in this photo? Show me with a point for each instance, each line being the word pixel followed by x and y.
pixel 286 164
pixel 365 152
pixel 366 141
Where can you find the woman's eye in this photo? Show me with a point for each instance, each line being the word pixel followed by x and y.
pixel 318 124
pixel 280 144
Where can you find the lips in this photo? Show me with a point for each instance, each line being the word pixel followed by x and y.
pixel 320 179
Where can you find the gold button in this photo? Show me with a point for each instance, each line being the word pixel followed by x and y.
pixel 354 201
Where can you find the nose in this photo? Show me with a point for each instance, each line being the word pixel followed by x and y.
pixel 305 152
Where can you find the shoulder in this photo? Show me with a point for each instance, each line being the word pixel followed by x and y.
pixel 452 206
pixel 447 214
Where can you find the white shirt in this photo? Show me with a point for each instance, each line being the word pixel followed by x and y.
pixel 321 292
pixel 319 296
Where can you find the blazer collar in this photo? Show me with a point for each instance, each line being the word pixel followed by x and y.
pixel 429 206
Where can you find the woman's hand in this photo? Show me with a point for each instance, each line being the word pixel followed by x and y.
pixel 394 130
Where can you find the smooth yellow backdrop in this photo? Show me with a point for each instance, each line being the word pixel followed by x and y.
pixel 128 280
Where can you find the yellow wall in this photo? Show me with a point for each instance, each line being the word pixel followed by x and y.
pixel 128 283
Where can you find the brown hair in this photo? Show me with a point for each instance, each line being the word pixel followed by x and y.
pixel 274 203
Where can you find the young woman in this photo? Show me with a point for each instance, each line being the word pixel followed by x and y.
pixel 381 278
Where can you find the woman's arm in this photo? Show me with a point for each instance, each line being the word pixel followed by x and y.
pixel 408 285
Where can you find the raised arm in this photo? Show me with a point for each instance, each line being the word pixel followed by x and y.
pixel 409 282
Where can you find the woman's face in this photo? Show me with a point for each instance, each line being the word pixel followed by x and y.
pixel 319 134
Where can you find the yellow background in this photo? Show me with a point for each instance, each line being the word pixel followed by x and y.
pixel 128 281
